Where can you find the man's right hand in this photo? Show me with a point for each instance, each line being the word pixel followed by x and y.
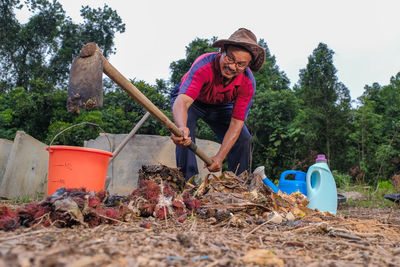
pixel 216 165
pixel 182 141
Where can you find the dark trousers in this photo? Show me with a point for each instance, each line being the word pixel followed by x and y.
pixel 218 117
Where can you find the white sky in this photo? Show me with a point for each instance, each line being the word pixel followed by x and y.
pixel 364 34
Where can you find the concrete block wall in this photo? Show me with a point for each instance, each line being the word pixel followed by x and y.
pixel 26 169
pixel 24 162
pixel 5 149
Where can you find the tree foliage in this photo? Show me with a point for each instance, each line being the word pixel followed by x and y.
pixel 43 48
pixel 286 123
pixel 377 131
pixel 196 48
pixel 270 118
pixel 275 140
pixel 270 77
pixel 324 114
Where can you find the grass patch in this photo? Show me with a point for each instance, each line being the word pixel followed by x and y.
pixel 23 200
pixel 373 196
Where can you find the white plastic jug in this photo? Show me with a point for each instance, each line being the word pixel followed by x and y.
pixel 321 187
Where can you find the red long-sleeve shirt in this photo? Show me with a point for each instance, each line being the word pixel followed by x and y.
pixel 204 82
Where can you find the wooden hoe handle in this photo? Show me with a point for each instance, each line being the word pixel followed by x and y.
pixel 136 94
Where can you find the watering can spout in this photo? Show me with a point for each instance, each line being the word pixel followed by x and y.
pixel 261 172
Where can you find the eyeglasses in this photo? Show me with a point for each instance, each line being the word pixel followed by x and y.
pixel 231 60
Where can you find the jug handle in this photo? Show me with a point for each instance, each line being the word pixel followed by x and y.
pixel 310 189
pixel 286 173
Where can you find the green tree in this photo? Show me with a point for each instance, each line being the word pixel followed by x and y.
pixel 367 125
pixel 35 58
pixel 31 111
pixel 274 107
pixel 196 48
pixel 270 77
pixel 377 131
pixel 325 111
pixel 275 139
pixel 44 47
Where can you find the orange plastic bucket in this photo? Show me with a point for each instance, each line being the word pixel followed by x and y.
pixel 77 167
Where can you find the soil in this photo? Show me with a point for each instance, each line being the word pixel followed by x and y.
pixel 354 237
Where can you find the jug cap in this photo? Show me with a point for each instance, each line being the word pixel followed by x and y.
pixel 321 157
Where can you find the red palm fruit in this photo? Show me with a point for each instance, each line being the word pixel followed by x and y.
pixel 40 211
pixel 8 223
pixel 30 213
pixel 161 212
pixel 9 219
pixel 146 209
pixel 111 213
pixel 153 191
pixel 102 194
pixel 93 219
pixel 76 190
pixel 145 224
pixel 94 202
pixel 179 207
pixel 182 218
pixel 190 202
pixel 168 192
pixel 135 192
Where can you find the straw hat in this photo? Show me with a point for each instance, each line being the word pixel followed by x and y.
pixel 245 38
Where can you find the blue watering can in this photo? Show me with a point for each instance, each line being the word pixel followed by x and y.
pixel 285 185
pixel 290 186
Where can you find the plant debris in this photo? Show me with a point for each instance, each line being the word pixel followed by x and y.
pixel 226 220
pixel 161 193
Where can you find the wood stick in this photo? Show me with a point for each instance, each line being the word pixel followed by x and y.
pixel 108 218
pixel 27 234
pixel 255 229
pixel 165 209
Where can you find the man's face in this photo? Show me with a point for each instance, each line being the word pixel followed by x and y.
pixel 234 61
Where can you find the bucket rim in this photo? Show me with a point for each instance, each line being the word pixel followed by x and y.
pixel 78 148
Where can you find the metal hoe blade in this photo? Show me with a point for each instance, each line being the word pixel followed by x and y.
pixel 85 83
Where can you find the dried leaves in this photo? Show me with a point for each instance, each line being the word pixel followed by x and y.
pixel 227 220
pixel 228 199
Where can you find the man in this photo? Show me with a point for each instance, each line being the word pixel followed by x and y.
pixel 218 89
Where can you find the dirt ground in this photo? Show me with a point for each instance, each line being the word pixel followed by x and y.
pixel 355 237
